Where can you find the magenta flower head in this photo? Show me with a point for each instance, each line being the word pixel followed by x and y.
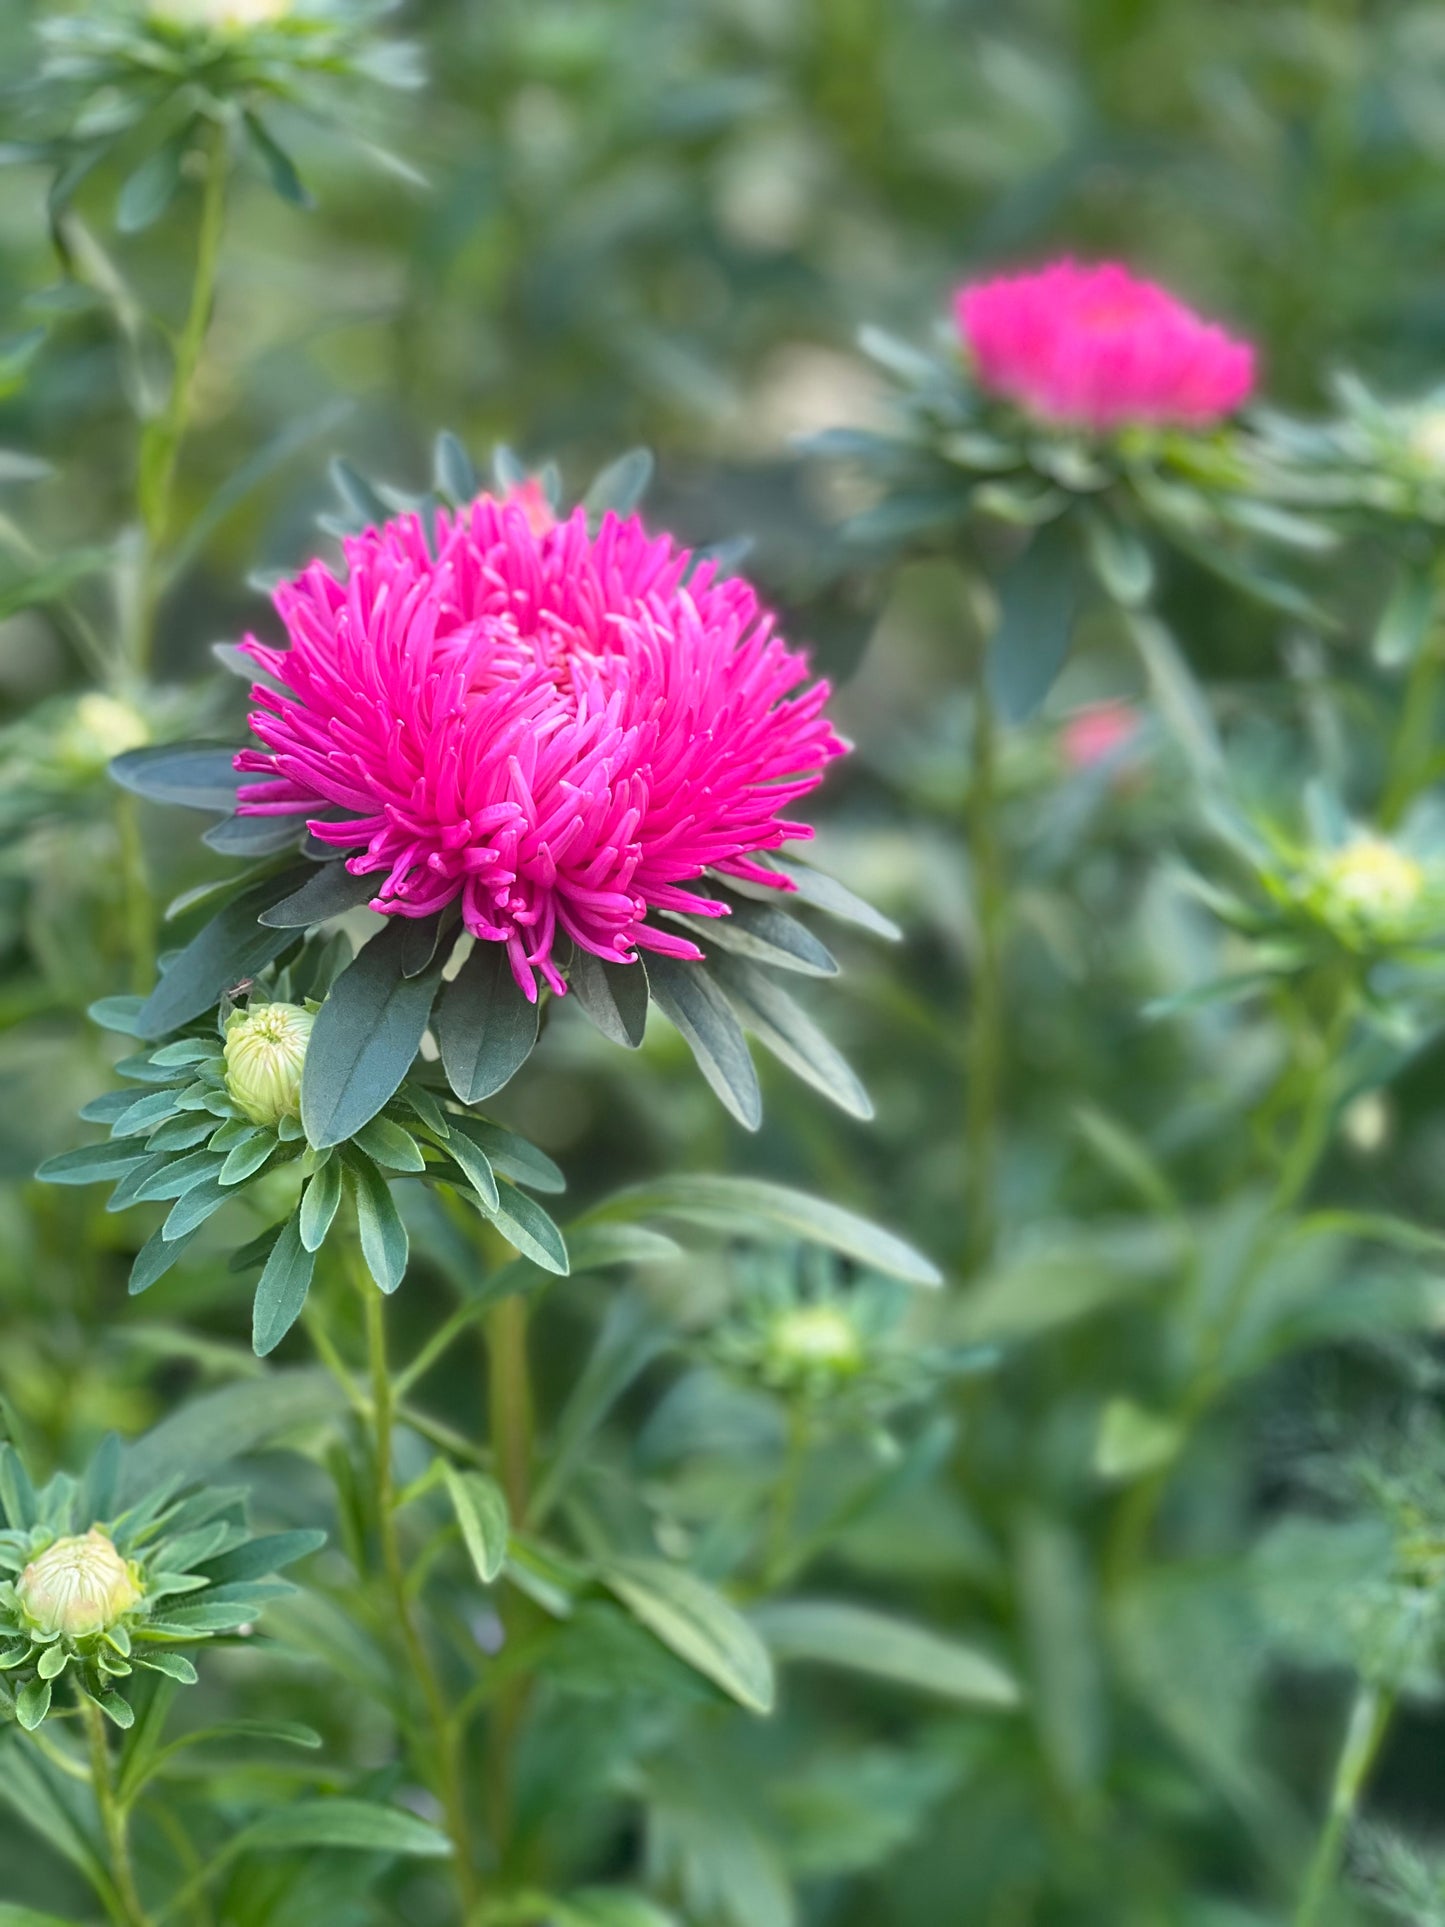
pixel 554 728
pixel 1093 347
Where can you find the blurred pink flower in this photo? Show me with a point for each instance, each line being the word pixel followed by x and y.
pixel 1093 347
pixel 557 729
pixel 1096 732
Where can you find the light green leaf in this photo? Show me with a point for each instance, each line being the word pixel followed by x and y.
pixel 481 1510
pixel 694 1621
pixel 834 1633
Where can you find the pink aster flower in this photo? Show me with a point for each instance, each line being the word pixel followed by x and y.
pixel 556 730
pixel 1096 348
pixel 1096 732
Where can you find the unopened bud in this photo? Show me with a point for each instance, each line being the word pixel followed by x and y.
pixel 814 1340
pixel 1372 881
pixel 78 1586
pixel 265 1050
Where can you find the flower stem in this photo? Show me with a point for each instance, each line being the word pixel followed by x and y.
pixel 1364 1730
pixel 778 1561
pixel 444 1755
pixel 985 1017
pixel 1413 750
pixel 510 1407
pixel 113 1817
pixel 161 444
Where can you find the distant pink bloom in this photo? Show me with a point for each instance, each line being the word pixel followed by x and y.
pixel 1096 732
pixel 1095 348
pixel 555 729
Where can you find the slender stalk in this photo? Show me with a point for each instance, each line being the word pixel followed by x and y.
pixel 139 913
pixel 161 444
pixel 113 1818
pixel 1414 746
pixel 1364 1730
pixel 1297 1167
pixel 780 1557
pixel 444 1753
pixel 510 1409
pixel 985 1017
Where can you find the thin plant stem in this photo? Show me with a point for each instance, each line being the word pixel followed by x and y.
pixel 113 1818
pixel 510 1409
pixel 161 444
pixel 1297 1167
pixel 1413 749
pixel 444 1753
pixel 1365 1729
pixel 780 1557
pixel 135 881
pixel 985 1016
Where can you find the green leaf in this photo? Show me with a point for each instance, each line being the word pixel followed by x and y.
pixel 11 1916
pixel 282 1288
pixel 189 1213
pixel 197 776
pixel 512 1156
pixel 221 1425
pixel 835 1633
pixel 601 1907
pixel 826 893
pixel 150 190
pixel 1133 1440
pixel 630 1339
pixel 232 946
pixel 387 1144
pixel 620 486
pixel 687 995
pixel 481 1510
pixel 698 1624
pixel 767 935
pixel 246 1157
pixel 745 1206
pixel 1038 598
pixel 454 471
pixel 1119 558
pixel 318 1203
pixel 614 996
pixel 258 1558
pixel 51 1804
pixel 485 1026
pixel 92 1164
pixel 32 1703
pixel 1405 620
pixel 524 1224
pixel 384 1242
pixel 281 170
pixel 475 1165
pixel 364 1040
pixel 784 1028
pixel 362 1825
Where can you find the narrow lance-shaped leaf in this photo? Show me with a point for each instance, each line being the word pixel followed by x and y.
pixel 364 1040
pixel 700 1012
pixel 485 1026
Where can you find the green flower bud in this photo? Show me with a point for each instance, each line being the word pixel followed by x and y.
pixel 100 727
pixel 265 1050
pixel 221 16
pixel 1427 440
pixel 1371 882
pixel 78 1586
pixel 814 1341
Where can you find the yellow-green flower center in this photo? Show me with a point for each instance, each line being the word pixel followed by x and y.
pixel 265 1051
pixel 99 728
pixel 223 16
pixel 78 1586
pixel 1373 880
pixel 815 1338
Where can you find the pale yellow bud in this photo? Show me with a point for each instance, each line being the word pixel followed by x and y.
pixel 815 1339
pixel 1373 881
pixel 265 1051
pixel 78 1586
pixel 101 727
pixel 224 16
pixel 1427 439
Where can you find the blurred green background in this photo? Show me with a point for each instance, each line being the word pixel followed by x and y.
pixel 662 222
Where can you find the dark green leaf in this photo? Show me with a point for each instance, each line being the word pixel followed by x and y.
pixel 766 1009
pixel 364 1040
pixel 1038 603
pixel 485 1026
pixel 318 1203
pixel 280 168
pixel 614 996
pixel 150 190
pixel 231 947
pixel 384 1242
pixel 282 1289
pixel 700 1012
pixel 198 776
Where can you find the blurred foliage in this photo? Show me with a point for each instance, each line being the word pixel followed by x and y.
pixel 1193 1504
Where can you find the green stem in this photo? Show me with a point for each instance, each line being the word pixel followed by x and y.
pixel 780 1559
pixel 161 445
pixel 139 912
pixel 510 1408
pixel 443 1752
pixel 1137 1511
pixel 985 1017
pixel 1365 1729
pixel 1414 745
pixel 113 1818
